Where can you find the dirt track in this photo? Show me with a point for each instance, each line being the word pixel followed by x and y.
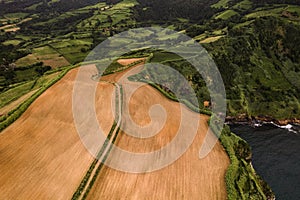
pixel 41 156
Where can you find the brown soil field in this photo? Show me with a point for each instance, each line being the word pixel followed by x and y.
pixel 187 178
pixel 12 29
pixel 129 61
pixel 56 62
pixel 41 155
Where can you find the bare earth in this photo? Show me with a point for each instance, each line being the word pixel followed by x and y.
pixel 129 61
pixel 187 178
pixel 41 156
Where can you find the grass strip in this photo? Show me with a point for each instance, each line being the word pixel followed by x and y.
pixel 14 114
pixel 87 176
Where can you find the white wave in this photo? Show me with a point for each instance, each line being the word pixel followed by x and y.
pixel 288 127
pixel 257 124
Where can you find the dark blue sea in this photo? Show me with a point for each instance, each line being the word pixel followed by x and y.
pixel 276 156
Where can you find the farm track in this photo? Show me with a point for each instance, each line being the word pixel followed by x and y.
pixel 89 179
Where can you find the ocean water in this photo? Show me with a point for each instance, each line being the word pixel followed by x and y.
pixel 276 156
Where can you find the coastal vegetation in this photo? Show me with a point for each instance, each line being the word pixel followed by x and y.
pixel 242 182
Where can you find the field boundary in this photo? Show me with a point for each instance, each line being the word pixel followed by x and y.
pixel 14 114
pixel 171 96
pixel 91 175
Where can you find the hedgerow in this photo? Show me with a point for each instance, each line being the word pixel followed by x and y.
pixel 14 114
pixel 106 143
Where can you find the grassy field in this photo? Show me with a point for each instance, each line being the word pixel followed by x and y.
pixel 10 22
pixel 226 14
pixel 244 24
pixel 14 93
pixel 275 11
pixel 164 57
pixel 110 18
pixel 221 4
pixel 243 5
pixel 291 8
pixel 17 95
pixel 211 39
pixel 14 104
pixel 33 7
pixel 73 51
pixel 14 97
pixel 12 16
pixel 12 42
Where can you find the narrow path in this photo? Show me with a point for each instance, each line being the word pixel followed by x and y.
pixel 90 177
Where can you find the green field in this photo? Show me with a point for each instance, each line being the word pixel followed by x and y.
pixel 221 4
pixel 243 5
pixel 12 42
pixel 276 12
pixel 33 7
pixel 15 93
pixel 226 14
pixel 46 54
pixel 15 15
pixel 211 39
pixel 108 17
pixel 291 8
pixel 73 50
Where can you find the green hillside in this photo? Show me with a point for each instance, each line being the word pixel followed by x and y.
pixel 254 43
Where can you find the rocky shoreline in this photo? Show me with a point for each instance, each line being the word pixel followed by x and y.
pixel 244 119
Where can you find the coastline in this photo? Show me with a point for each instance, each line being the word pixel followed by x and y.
pixel 244 119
